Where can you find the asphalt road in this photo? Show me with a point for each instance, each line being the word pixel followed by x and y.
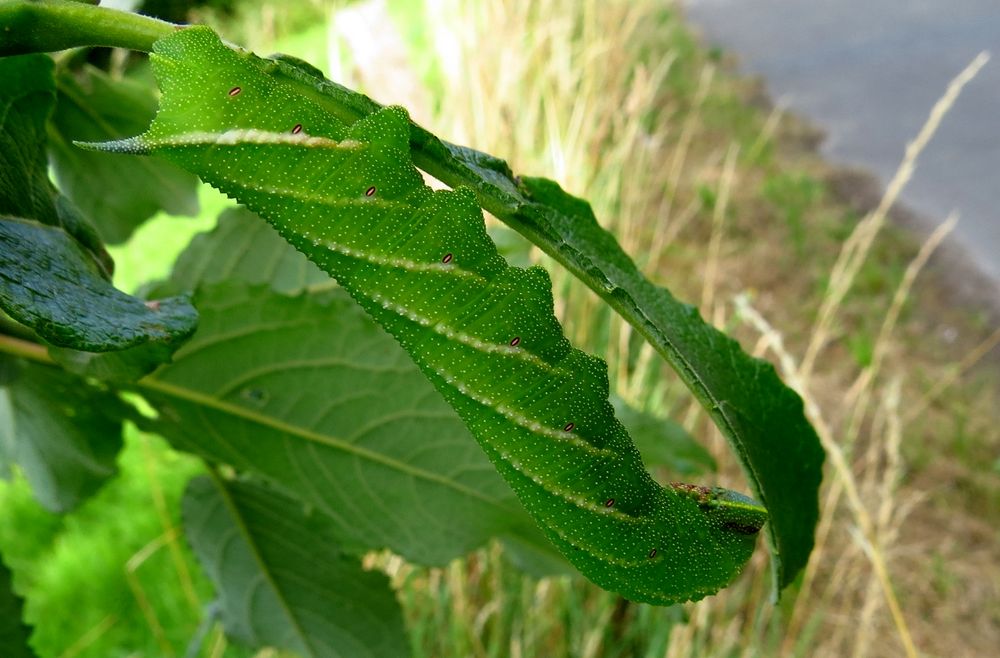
pixel 867 72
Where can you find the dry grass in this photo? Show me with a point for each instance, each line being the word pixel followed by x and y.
pixel 614 101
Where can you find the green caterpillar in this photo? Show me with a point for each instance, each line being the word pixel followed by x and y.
pixel 420 262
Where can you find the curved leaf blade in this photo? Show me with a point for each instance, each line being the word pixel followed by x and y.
pixel 26 100
pixel 54 270
pixel 242 247
pixel 306 392
pixel 49 283
pixel 761 418
pixel 282 580
pixel 351 200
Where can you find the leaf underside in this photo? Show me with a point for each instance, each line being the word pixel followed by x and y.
pixel 762 419
pixel 663 442
pixel 305 392
pixel 63 432
pixel 282 580
pixel 241 247
pixel 483 332
pixel 383 428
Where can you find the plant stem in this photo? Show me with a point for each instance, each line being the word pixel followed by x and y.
pixel 25 349
pixel 28 26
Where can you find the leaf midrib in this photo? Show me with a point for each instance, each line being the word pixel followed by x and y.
pixel 210 402
pixel 241 527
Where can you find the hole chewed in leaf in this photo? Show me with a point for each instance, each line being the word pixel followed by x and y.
pixel 255 395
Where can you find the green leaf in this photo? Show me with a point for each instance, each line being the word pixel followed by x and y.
pixel 54 272
pixel 308 393
pixel 63 432
pixel 244 248
pixel 662 442
pixel 282 579
pixel 13 632
pixel 49 283
pixel 117 193
pixel 26 100
pixel 483 332
pixel 533 554
pixel 762 419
